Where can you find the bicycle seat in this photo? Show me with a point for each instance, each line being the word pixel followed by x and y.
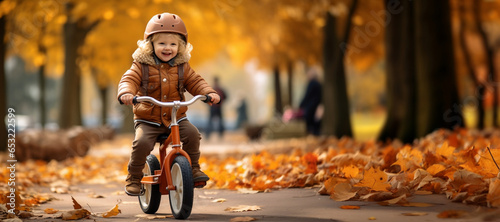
pixel 161 138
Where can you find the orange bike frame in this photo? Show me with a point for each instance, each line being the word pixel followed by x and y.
pixel 163 177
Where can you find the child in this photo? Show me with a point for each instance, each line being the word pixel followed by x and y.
pixel 163 50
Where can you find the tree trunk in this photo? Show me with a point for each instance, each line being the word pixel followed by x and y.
pixel 400 60
pixel 470 67
pixel 438 102
pixel 41 85
pixel 278 104
pixel 104 111
pixel 489 60
pixel 336 120
pixel 3 86
pixel 74 37
pixel 70 112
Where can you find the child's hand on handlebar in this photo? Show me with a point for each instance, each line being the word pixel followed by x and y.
pixel 215 98
pixel 127 99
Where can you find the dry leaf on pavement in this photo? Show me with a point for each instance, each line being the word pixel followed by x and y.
pixel 415 214
pixel 50 211
pixel 76 205
pixel 75 214
pixel 242 219
pixel 342 192
pixel 452 214
pixel 219 200
pixel 242 208
pixel 375 179
pixel 112 212
pixel 350 207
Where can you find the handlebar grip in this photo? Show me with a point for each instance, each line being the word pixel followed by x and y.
pixel 134 100
pixel 207 99
pixel 120 100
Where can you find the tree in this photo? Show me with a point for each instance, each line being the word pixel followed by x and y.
pixel 492 77
pixel 336 120
pixel 75 31
pixel 437 96
pixel 401 91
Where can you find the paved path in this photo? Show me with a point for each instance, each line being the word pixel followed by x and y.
pixel 279 205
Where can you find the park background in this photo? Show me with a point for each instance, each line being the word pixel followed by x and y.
pixel 63 60
pixel 402 80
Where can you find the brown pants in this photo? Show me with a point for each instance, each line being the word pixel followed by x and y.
pixel 144 142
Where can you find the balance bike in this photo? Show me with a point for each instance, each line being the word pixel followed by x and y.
pixel 173 176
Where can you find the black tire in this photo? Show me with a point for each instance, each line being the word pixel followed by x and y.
pixel 150 197
pixel 181 199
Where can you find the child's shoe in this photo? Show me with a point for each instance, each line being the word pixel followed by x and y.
pixel 133 187
pixel 199 176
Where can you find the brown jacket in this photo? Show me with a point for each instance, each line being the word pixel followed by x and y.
pixel 163 84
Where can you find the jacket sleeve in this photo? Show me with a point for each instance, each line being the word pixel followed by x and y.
pixel 195 84
pixel 130 81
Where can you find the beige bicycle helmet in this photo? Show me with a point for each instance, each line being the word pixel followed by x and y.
pixel 166 22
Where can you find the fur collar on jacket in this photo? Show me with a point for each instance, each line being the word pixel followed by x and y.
pixel 144 54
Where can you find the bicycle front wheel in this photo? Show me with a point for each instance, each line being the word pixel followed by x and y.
pixel 181 199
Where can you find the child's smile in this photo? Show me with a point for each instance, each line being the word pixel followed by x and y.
pixel 166 47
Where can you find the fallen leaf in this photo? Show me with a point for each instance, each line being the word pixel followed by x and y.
pixel 401 200
pixel 219 200
pixel 25 215
pixel 242 208
pixel 374 179
pixel 350 171
pixel 50 211
pixel 423 192
pixel 452 214
pixel 76 205
pixel 247 191
pixel 414 204
pixel 435 169
pixel 493 196
pixel 372 218
pixel 415 214
pixel 342 192
pixel 112 212
pixel 350 207
pixel 242 219
pixel 75 214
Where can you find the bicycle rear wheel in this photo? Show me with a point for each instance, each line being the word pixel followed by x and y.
pixel 181 199
pixel 150 195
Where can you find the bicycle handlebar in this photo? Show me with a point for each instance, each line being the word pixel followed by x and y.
pixel 138 99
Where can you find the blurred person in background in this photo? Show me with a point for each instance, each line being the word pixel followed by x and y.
pixel 216 111
pixel 310 103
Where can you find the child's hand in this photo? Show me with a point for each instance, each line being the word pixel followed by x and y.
pixel 127 99
pixel 215 98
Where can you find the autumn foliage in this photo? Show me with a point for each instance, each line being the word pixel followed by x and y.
pixel 455 163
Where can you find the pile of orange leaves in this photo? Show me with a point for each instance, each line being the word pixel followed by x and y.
pixel 459 164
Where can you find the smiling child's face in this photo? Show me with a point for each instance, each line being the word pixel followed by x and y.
pixel 166 46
